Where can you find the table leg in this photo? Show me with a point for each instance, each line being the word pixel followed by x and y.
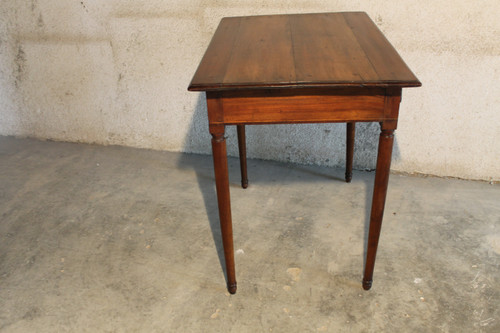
pixel 242 146
pixel 223 199
pixel 379 194
pixel 350 132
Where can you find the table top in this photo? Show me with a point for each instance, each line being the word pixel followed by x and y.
pixel 300 50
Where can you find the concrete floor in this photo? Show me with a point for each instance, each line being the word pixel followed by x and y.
pixel 113 239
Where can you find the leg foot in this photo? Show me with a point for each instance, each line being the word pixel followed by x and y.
pixel 367 284
pixel 348 177
pixel 231 288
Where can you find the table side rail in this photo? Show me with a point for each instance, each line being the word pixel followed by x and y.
pixel 305 106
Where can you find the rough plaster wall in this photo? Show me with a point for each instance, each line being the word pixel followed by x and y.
pixel 116 72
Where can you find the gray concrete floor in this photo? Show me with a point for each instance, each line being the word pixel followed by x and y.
pixel 113 239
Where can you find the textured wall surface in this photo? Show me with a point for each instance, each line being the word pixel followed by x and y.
pixel 116 72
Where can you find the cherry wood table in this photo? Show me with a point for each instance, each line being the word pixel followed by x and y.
pixel 304 68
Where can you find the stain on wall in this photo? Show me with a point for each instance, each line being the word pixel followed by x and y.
pixel 116 72
pixel 20 61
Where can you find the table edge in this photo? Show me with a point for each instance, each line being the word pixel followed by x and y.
pixel 336 85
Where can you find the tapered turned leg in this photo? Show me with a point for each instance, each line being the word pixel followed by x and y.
pixel 351 129
pixel 222 185
pixel 242 146
pixel 378 202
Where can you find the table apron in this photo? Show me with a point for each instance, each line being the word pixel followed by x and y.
pixel 299 109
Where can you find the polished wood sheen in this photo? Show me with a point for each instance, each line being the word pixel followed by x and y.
pixel 303 68
pixel 303 50
pixel 222 186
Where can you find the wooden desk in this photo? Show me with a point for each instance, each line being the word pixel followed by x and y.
pixel 307 68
